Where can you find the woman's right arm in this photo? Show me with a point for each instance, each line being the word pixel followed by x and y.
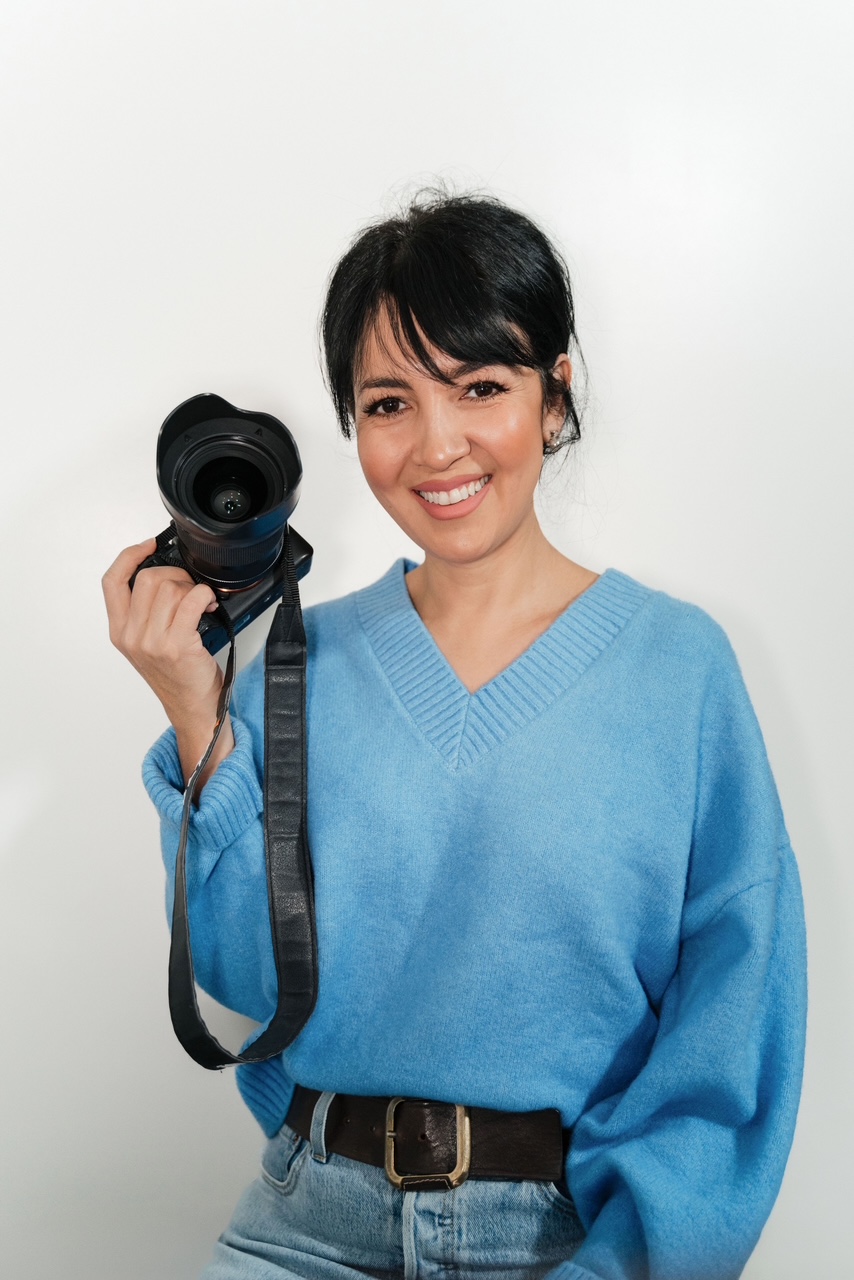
pixel 226 858
pixel 155 626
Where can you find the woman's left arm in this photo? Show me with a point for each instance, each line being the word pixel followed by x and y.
pixel 675 1177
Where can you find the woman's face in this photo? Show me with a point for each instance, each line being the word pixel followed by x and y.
pixel 456 465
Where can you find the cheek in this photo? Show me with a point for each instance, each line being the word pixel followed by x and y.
pixel 378 459
pixel 518 446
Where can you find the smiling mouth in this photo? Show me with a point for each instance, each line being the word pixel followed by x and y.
pixel 449 497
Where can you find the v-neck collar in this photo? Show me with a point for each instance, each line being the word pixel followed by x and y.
pixel 463 726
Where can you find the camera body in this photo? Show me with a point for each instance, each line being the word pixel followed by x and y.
pixel 230 479
pixel 242 606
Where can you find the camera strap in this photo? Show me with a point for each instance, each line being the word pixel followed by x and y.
pixel 290 883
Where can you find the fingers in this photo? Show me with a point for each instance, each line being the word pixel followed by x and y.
pixel 115 581
pixel 182 620
pixel 142 619
pixel 164 613
pixel 120 571
pixel 202 599
pixel 155 626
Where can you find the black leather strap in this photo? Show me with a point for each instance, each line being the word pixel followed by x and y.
pixel 504 1144
pixel 289 874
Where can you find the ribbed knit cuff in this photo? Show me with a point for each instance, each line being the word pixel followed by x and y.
pixel 569 1271
pixel 230 800
pixel 267 1092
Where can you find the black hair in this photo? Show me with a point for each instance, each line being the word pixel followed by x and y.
pixel 466 274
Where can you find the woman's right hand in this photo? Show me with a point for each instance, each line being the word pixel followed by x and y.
pixel 155 626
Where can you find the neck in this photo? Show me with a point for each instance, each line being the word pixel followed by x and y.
pixel 520 576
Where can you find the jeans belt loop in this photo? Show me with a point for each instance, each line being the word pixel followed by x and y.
pixel 318 1127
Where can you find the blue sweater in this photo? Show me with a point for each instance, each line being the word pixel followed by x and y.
pixel 572 889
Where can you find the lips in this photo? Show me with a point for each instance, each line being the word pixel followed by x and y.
pixel 449 497
pixel 453 499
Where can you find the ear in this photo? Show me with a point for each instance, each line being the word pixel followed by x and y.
pixel 555 412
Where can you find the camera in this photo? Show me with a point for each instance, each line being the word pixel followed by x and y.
pixel 230 480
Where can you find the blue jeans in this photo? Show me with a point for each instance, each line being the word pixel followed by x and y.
pixel 324 1217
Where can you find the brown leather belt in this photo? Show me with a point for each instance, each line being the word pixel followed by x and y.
pixel 423 1145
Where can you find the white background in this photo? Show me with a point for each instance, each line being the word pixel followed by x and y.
pixel 178 180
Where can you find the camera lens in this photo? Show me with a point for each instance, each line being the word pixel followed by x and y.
pixel 229 488
pixel 230 504
pixel 230 480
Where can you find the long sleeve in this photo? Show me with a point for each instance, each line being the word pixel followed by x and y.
pixel 675 1176
pixel 226 867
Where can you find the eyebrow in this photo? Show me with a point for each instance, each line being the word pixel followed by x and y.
pixel 398 384
pixel 371 384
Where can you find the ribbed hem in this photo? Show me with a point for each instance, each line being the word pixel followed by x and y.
pixel 463 726
pixel 267 1092
pixel 230 800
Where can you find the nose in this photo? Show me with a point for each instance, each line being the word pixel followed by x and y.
pixel 441 439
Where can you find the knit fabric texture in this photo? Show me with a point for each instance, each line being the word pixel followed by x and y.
pixel 573 889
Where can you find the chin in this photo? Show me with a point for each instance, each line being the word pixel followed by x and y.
pixel 455 550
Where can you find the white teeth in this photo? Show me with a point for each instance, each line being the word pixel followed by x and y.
pixel 448 497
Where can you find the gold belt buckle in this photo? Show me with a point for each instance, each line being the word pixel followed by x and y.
pixel 454 1177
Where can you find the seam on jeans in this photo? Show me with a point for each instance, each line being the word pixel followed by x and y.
pixel 297 1161
pixel 552 1196
pixel 450 1248
pixel 410 1244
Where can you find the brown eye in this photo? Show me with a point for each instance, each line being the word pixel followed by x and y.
pixel 384 408
pixel 484 390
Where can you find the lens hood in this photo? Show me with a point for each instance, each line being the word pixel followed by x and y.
pixel 230 479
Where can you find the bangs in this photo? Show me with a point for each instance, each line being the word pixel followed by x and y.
pixel 462 276
pixel 440 307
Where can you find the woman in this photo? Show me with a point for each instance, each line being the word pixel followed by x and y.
pixel 555 892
